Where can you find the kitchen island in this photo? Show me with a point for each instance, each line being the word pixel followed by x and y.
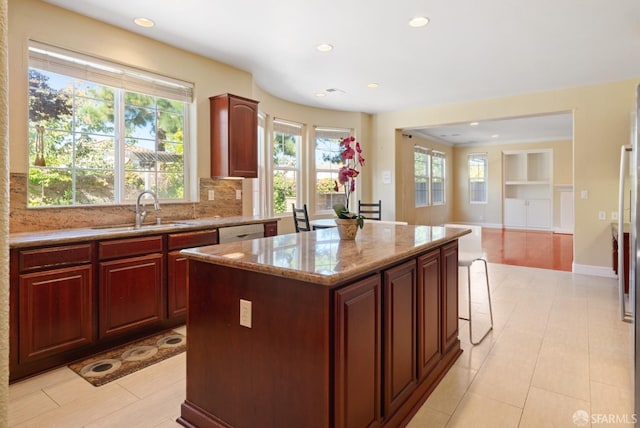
pixel 307 330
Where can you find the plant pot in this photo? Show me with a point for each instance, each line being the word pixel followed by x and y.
pixel 347 227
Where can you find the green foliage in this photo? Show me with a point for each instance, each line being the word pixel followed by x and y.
pixel 45 103
pixel 283 188
pixel 80 142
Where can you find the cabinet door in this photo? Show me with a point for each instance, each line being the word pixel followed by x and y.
pixel 243 138
pixel 514 212
pixel 234 136
pixel 538 213
pixel 176 285
pixel 399 331
pixel 357 353
pixel 449 254
pixel 56 311
pixel 130 294
pixel 429 344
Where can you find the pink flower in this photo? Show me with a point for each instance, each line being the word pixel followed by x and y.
pixel 348 173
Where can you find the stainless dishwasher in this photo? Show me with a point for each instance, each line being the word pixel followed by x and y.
pixel 240 233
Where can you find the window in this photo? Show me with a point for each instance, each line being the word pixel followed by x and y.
pixel 422 175
pixel 437 178
pixel 100 133
pixel 287 137
pixel 429 168
pixel 478 178
pixel 328 162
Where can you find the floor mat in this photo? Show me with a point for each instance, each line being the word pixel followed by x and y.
pixel 117 362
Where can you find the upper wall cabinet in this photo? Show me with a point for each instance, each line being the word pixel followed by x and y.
pixel 234 136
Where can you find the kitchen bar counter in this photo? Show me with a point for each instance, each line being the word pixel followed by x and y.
pixel 321 257
pixel 308 330
pixel 64 236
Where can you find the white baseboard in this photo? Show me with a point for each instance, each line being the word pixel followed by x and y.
pixel 563 231
pixel 604 271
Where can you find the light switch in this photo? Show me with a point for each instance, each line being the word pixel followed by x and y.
pixel 211 195
pixel 584 194
pixel 238 194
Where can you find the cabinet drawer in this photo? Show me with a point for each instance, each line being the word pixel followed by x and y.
pixel 54 256
pixel 192 239
pixel 129 247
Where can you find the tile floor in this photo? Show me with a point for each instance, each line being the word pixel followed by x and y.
pixel 557 348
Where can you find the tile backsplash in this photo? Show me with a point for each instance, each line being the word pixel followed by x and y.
pixel 23 219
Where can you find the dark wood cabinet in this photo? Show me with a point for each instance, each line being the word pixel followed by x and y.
pixel 358 352
pixel 399 331
pixel 449 255
pixel 56 311
pixel 68 301
pixel 51 309
pixel 369 350
pixel 234 136
pixel 131 291
pixel 271 228
pixel 429 308
pixel 177 268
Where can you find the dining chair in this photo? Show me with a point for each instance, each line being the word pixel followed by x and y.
pixel 301 218
pixel 370 210
pixel 470 251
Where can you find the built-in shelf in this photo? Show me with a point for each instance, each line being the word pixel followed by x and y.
pixel 527 180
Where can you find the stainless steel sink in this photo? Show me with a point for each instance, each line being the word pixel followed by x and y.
pixel 120 227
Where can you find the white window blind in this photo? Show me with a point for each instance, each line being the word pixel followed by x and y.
pixel 85 67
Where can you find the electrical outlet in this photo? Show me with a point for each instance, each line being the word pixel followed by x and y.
pixel 245 313
pixel 211 195
pixel 238 194
pixel 602 215
pixel 614 215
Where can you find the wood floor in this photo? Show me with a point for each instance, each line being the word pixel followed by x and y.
pixel 546 250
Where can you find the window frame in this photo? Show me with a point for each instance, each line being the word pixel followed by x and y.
pixel 426 176
pixel 484 179
pixel 333 172
pixel 435 155
pixel 121 80
pixel 297 169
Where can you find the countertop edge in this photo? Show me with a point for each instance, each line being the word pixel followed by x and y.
pixel 64 236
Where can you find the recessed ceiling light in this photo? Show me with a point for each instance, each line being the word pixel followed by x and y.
pixel 372 85
pixel 474 124
pixel 324 47
pixel 495 135
pixel 320 94
pixel 144 22
pixel 418 21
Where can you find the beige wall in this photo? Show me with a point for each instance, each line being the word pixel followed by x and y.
pixel 432 215
pixel 491 213
pixel 601 125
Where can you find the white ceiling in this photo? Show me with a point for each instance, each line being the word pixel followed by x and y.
pixel 553 127
pixel 470 50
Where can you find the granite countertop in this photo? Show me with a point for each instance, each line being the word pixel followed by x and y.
pixel 63 236
pixel 321 257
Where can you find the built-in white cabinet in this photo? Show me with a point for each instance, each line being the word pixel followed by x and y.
pixel 528 178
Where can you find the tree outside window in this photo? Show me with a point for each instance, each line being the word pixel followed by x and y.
pixel 286 165
pixel 328 162
pixel 95 144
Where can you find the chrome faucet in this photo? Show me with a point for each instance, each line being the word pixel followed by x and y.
pixel 141 215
